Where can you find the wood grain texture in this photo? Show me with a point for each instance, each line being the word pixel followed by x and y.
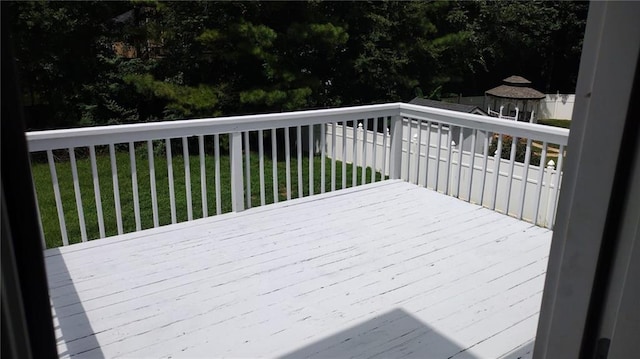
pixel 387 269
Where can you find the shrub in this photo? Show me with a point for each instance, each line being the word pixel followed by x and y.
pixel 521 149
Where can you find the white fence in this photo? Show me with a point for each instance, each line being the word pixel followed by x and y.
pixel 453 180
pixel 556 106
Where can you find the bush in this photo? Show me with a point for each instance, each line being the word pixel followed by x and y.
pixel 521 150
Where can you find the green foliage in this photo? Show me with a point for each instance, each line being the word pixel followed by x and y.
pixel 540 40
pixel 108 100
pixel 521 150
pixel 193 59
pixel 257 39
pixel 58 47
pixel 286 100
pixel 556 122
pixel 395 47
pixel 209 37
pixel 261 96
pixel 181 101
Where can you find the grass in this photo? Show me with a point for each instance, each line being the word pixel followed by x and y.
pixel 553 149
pixel 555 123
pixel 47 206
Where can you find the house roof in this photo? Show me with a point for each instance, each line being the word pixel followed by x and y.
pixel 447 105
pixel 515 87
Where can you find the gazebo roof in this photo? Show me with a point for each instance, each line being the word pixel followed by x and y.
pixel 516 80
pixel 515 87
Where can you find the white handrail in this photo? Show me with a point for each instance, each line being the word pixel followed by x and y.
pixel 491 124
pixel 100 135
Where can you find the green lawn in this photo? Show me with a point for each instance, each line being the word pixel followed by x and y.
pixel 48 212
pixel 555 123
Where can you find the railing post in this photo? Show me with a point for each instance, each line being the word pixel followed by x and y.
pixel 395 162
pixel 237 180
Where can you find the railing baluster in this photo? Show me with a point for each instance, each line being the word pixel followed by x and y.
pixel 344 154
pixel 409 140
pixel 385 129
pixel 460 143
pixel 96 190
pixel 418 151
pixel 287 155
pixel 472 162
pixel 78 195
pixel 274 164
pixel 40 227
pixel 216 157
pixel 438 150
pixel 311 160
pixel 333 156
pixel 261 164
pixel 426 156
pixel 187 177
pixel 134 185
pixel 447 190
pixel 497 159
pixel 525 177
pixel 512 158
pixel 203 177
pixel 485 162
pixel 374 149
pixel 152 182
pixel 323 154
pixel 556 185
pixel 237 180
pixel 541 166
pixel 363 178
pixel 116 189
pixel 247 168
pixel 172 195
pixel 56 194
pixel 354 164
pixel 299 157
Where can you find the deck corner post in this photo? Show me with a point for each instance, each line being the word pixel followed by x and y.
pixel 395 157
pixel 237 179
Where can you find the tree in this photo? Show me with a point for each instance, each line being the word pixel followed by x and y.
pixel 202 59
pixel 396 47
pixel 57 53
pixel 541 40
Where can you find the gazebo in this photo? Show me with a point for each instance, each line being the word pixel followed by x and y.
pixel 514 99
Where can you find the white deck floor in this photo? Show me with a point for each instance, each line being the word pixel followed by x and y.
pixel 383 270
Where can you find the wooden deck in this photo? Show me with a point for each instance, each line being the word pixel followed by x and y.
pixel 385 270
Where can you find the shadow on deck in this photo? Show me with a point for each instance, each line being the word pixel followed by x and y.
pixel 395 334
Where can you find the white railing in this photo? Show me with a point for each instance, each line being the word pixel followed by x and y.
pixel 316 133
pixel 494 184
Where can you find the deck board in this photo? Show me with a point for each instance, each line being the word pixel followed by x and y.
pixel 383 270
